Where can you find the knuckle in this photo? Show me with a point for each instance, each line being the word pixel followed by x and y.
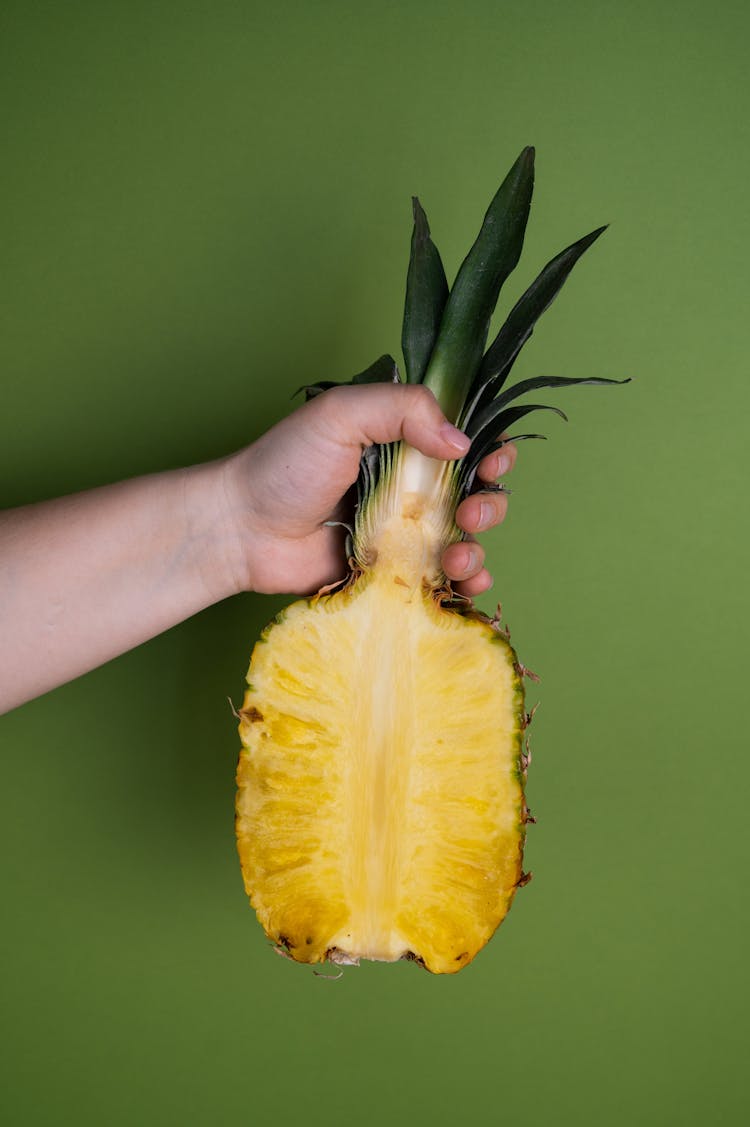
pixel 329 400
pixel 327 410
pixel 421 396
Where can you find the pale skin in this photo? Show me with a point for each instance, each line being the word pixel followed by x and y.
pixel 87 577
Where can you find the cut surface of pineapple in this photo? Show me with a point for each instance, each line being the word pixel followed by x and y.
pixel 380 810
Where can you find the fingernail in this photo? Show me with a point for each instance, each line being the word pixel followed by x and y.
pixel 472 561
pixel 486 514
pixel 503 465
pixel 455 437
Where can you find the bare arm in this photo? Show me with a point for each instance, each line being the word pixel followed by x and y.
pixel 87 577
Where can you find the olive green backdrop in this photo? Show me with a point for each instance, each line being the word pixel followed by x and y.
pixel 203 206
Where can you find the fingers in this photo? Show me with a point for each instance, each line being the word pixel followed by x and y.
pixel 379 413
pixel 497 464
pixel 480 511
pixel 477 585
pixel 463 563
pixel 463 560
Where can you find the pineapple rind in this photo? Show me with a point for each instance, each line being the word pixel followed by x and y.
pixel 379 815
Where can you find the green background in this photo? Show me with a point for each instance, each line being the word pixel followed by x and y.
pixel 205 205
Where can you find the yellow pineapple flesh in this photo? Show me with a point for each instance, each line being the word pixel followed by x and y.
pixel 379 814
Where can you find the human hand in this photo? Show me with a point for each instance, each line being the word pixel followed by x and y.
pixel 89 576
pixel 281 490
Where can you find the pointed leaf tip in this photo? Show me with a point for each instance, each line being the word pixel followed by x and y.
pixel 592 236
pixel 426 295
pixel 457 354
pixel 526 160
pixel 519 325
pixel 421 226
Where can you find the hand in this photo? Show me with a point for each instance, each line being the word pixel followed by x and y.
pixel 282 489
pixel 86 577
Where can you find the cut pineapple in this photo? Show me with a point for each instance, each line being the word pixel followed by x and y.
pixel 380 809
pixel 378 816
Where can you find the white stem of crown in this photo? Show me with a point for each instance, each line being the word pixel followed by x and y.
pixel 409 521
pixel 419 476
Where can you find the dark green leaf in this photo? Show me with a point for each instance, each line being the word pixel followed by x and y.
pixel 383 370
pixel 492 409
pixel 313 389
pixel 465 324
pixel 471 463
pixel 484 439
pixel 426 295
pixel 499 358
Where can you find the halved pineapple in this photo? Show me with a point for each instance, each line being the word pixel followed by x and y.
pixel 380 816
pixel 380 811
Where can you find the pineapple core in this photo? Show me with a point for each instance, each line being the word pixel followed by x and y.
pixel 380 812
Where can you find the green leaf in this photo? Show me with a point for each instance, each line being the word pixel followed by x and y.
pixel 383 370
pixel 471 463
pixel 465 323
pixel 492 410
pixel 426 295
pixel 500 356
pixel 484 439
pixel 313 389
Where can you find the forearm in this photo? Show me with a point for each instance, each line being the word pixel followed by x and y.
pixel 86 577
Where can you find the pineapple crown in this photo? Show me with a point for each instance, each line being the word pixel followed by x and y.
pixel 445 330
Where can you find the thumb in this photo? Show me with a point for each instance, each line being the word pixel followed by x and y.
pixel 379 413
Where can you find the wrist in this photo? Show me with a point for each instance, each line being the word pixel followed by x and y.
pixel 213 531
